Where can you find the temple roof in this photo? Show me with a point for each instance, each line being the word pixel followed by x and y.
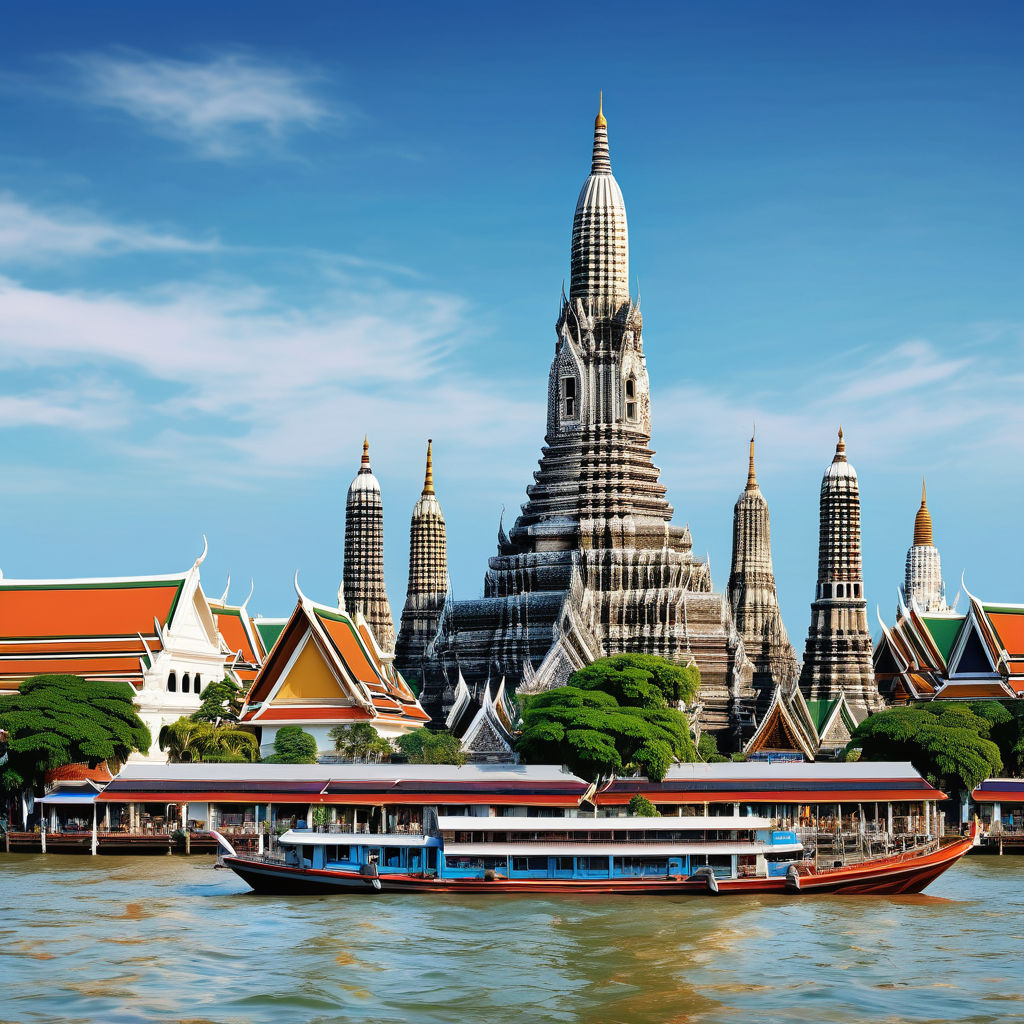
pixel 95 628
pixel 326 665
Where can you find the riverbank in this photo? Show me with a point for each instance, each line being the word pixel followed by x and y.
pixel 169 939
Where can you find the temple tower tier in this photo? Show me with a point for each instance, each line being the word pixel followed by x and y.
pixel 837 658
pixel 363 571
pixel 593 564
pixel 753 596
pixel 428 580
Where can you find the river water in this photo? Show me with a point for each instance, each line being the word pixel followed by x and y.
pixel 117 939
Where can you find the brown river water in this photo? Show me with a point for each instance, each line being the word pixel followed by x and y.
pixel 118 939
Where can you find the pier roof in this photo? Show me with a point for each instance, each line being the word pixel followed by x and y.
pixel 525 785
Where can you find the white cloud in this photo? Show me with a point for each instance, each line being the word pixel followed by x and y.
pixel 230 383
pixel 911 405
pixel 28 234
pixel 221 107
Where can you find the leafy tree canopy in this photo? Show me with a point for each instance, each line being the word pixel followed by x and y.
pixel 360 742
pixel 707 749
pixel 639 680
pixel 596 736
pixel 188 740
pixel 640 807
pixel 947 743
pixel 221 702
pixel 423 746
pixel 55 720
pixel 292 745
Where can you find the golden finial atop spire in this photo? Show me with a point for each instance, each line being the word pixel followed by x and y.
pixel 428 480
pixel 751 478
pixel 923 522
pixel 840 447
pixel 599 121
pixel 366 451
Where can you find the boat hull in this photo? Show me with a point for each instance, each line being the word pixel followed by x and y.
pixel 899 875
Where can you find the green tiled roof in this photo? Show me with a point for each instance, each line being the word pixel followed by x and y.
pixel 820 710
pixel 944 630
pixel 269 632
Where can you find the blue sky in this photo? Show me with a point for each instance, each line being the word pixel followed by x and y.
pixel 230 245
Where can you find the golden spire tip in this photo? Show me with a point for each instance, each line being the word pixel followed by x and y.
pixel 366 450
pixel 599 121
pixel 428 479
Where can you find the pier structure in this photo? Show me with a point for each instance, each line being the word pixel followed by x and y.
pixel 844 810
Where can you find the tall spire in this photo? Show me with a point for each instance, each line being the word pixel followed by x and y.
pixel 752 593
pixel 363 570
pixel 428 479
pixel 600 239
pixel 837 657
pixel 751 476
pixel 923 522
pixel 602 163
pixel 923 584
pixel 428 579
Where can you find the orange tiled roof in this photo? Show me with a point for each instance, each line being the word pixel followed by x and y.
pixel 391 698
pixel 88 628
pixel 973 691
pixel 1010 628
pixel 236 636
pixel 921 684
pixel 90 609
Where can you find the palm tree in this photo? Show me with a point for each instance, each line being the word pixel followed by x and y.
pixel 184 740
pixel 187 741
pixel 360 742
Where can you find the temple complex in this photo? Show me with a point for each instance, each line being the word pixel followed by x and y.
pixel 753 597
pixel 362 589
pixel 923 583
pixel 594 564
pixel 837 658
pixel 428 579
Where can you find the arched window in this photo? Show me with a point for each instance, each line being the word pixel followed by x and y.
pixel 569 398
pixel 631 398
pixel 197 685
pixel 184 683
pixel 172 683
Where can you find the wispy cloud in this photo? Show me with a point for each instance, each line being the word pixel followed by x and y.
pixel 29 234
pixel 912 405
pixel 233 383
pixel 222 107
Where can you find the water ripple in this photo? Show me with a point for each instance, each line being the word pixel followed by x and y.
pixel 168 939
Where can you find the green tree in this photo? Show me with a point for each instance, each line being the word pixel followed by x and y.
pixel 293 746
pixel 638 680
pixel 640 807
pixel 187 740
pixel 595 736
pixel 55 720
pixel 946 743
pixel 221 702
pixel 360 742
pixel 707 749
pixel 423 746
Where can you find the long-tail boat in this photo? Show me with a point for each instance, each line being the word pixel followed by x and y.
pixel 621 855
